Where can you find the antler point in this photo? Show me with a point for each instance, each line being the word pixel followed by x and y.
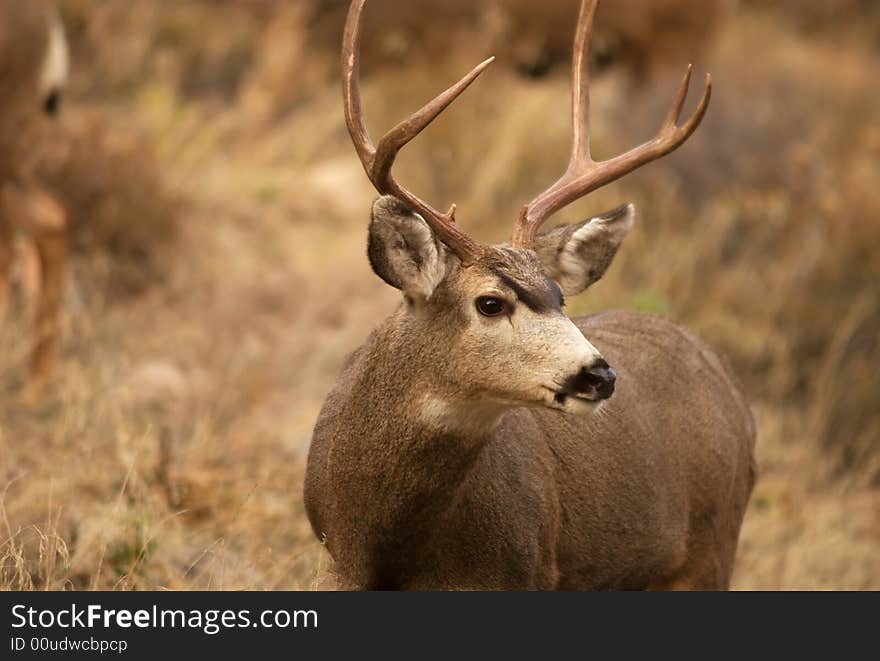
pixel 482 65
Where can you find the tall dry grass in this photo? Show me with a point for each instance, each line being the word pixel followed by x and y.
pixel 220 280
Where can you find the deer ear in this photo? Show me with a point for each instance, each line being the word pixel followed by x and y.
pixel 576 256
pixel 403 250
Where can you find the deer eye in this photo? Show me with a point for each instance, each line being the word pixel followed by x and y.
pixel 491 306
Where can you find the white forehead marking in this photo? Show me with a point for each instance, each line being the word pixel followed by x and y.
pixel 57 63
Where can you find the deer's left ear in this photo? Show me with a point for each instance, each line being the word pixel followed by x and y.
pixel 576 256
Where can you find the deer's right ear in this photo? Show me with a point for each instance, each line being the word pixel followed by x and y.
pixel 403 250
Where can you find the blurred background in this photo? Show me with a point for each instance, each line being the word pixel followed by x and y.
pixel 219 274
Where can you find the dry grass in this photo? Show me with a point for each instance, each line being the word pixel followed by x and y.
pixel 220 281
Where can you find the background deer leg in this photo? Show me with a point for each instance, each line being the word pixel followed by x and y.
pixel 41 217
pixel 49 232
pixel 26 274
pixel 6 251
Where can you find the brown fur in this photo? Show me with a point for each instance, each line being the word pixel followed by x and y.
pixel 26 208
pixel 647 492
pixel 426 471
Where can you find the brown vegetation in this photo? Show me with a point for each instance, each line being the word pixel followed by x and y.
pixel 220 280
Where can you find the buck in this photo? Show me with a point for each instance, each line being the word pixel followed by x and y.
pixel 481 439
pixel 33 70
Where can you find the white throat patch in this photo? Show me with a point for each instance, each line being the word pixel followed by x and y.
pixel 463 417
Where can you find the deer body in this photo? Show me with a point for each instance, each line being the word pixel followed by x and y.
pixel 482 439
pixel 33 71
pixel 649 491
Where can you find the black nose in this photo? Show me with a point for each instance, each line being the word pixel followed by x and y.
pixel 598 378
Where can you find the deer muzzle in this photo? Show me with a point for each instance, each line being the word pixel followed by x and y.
pixel 593 382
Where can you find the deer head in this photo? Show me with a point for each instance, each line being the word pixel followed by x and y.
pixel 490 318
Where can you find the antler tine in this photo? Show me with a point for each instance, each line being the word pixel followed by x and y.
pixel 378 160
pixel 409 128
pixel 580 85
pixel 585 175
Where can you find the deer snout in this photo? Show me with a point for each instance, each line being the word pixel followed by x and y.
pixel 595 380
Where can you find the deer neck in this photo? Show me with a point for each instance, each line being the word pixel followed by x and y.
pixel 404 441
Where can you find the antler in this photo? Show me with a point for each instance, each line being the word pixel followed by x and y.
pixel 584 174
pixel 378 160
